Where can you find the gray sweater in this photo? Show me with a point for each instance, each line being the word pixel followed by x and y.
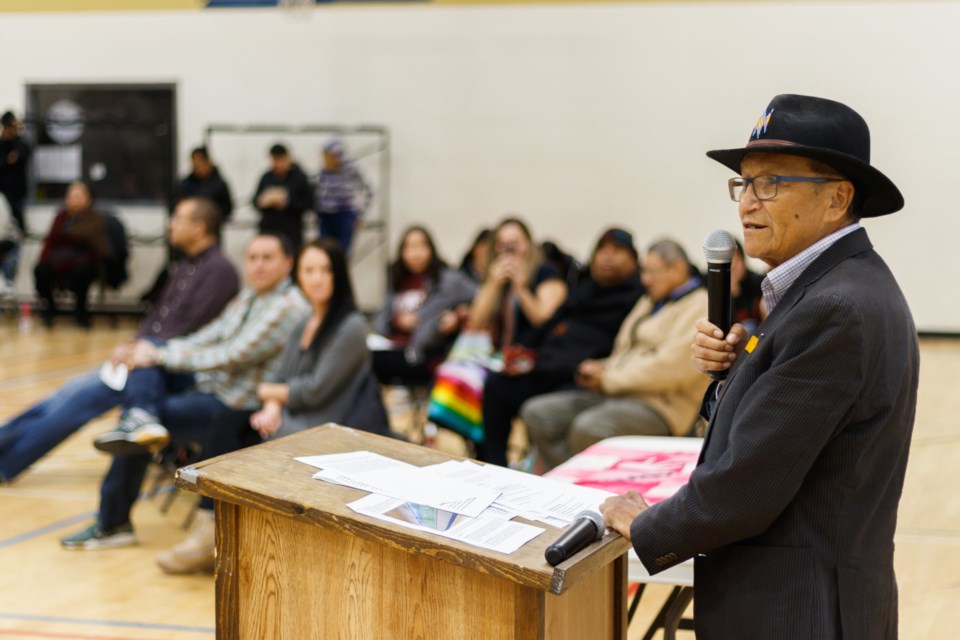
pixel 454 288
pixel 324 385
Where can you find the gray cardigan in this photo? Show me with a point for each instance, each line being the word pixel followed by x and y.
pixel 454 288
pixel 324 385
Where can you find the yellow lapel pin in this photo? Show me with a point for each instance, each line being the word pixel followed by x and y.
pixel 752 344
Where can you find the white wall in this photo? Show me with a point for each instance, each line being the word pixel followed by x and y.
pixel 575 117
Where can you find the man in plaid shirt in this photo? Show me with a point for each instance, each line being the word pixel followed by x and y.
pixel 191 384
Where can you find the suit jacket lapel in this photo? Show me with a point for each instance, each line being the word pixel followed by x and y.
pixel 846 247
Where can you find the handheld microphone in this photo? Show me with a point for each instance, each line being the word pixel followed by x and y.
pixel 587 527
pixel 718 248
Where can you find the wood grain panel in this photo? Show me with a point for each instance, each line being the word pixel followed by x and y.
pixel 303 581
pixel 227 589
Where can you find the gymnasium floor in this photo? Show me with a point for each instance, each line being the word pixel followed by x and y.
pixel 120 594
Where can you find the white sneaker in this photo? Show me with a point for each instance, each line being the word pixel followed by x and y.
pixel 137 432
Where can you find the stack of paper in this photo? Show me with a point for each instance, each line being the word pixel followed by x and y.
pixel 425 499
pixel 461 500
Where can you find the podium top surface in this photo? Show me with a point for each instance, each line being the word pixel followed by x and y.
pixel 267 477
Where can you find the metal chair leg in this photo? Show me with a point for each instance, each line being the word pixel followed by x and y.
pixel 672 620
pixel 635 602
pixel 658 622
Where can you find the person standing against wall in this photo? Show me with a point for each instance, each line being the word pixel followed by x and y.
pixel 14 161
pixel 342 195
pixel 283 195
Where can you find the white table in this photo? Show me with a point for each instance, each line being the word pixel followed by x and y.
pixel 656 467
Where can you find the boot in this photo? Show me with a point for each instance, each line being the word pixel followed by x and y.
pixel 196 552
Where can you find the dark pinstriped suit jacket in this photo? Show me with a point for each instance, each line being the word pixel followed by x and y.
pixel 794 504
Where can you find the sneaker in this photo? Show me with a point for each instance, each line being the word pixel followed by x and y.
pixel 195 553
pixel 93 537
pixel 137 432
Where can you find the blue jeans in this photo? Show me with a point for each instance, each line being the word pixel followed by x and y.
pixel 148 388
pixel 340 225
pixel 30 435
pixel 189 417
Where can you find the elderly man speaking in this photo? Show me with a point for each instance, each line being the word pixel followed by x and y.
pixel 792 509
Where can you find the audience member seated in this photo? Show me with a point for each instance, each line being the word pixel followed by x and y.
pixel 583 328
pixel 229 357
pixel 421 290
pixel 326 363
pixel 477 257
pixel 72 254
pixel 647 386
pixel 199 286
pixel 520 291
pixel 519 294
pixel 283 195
pixel 566 265
pixel 324 376
pixel 204 181
pixel 745 292
pixel 10 237
pixel 342 195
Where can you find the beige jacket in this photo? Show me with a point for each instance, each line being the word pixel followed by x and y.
pixel 651 360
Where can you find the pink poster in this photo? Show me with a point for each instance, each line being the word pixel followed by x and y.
pixel 656 472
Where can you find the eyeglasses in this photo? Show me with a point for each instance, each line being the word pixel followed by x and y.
pixel 765 187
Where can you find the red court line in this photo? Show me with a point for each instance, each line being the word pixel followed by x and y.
pixel 24 633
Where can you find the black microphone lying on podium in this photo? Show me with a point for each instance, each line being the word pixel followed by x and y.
pixel 719 248
pixel 587 527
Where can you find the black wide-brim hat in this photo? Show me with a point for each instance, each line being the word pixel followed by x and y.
pixel 823 130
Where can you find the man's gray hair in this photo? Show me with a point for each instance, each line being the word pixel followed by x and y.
pixel 669 251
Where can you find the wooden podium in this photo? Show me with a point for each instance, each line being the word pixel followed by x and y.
pixel 294 562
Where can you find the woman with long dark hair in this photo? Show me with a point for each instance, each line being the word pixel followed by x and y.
pixel 477 257
pixel 325 367
pixel 422 289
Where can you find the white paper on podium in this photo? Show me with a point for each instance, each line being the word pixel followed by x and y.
pixel 375 473
pixel 533 497
pixel 421 485
pixel 503 536
pixel 354 461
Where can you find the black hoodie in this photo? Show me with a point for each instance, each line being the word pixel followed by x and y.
pixel 585 326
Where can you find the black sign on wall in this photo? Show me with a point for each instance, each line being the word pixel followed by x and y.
pixel 120 139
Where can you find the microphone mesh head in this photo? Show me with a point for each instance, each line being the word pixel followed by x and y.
pixel 596 519
pixel 719 246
